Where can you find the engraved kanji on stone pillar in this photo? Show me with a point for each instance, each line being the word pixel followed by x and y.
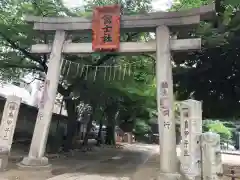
pixel 9 120
pixel 191 129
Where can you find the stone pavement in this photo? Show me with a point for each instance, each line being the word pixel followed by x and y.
pixel 60 165
pixel 135 162
pixel 149 170
pixel 103 164
pixel 120 167
pixel 142 166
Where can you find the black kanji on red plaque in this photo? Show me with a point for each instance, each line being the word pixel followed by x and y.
pixel 107 38
pixel 107 20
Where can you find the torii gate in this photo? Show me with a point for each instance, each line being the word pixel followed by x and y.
pixel 159 22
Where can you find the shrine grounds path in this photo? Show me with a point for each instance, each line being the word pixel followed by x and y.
pixel 134 162
pixel 101 163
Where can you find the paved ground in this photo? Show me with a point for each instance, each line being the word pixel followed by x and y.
pixel 120 167
pixel 107 163
pixel 135 162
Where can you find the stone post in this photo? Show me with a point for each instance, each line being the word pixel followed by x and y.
pixel 9 120
pixel 166 121
pixel 218 154
pixel 37 149
pixel 191 129
pixel 211 156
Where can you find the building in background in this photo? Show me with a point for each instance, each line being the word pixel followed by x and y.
pixel 30 94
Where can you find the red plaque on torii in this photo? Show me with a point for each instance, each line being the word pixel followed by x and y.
pixel 106 28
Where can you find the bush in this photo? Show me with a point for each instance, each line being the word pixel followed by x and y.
pixel 141 127
pixel 219 128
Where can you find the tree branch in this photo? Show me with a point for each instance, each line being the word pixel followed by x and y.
pixel 6 65
pixel 149 56
pixel 24 51
pixel 33 80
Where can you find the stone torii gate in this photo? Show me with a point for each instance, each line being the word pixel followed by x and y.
pixel 161 23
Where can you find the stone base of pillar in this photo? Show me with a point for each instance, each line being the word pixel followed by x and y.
pixel 34 163
pixel 169 176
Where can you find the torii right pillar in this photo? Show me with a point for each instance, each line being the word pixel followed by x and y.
pixel 169 169
pixel 166 121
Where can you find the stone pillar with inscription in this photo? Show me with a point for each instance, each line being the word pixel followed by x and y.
pixel 7 128
pixel 9 120
pixel 211 156
pixel 38 145
pixel 191 129
pixel 166 120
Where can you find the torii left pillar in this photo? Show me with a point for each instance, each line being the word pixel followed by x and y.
pixel 36 157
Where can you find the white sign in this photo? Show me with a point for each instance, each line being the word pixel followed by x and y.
pixel 185 146
pixel 9 120
pixel 190 116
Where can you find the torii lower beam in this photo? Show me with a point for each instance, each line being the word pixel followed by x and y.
pixel 125 47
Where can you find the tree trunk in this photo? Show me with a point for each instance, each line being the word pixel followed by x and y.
pixel 89 126
pixel 110 131
pixel 71 125
pixel 110 135
pixel 99 138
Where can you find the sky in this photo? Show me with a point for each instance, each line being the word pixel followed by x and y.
pixel 158 5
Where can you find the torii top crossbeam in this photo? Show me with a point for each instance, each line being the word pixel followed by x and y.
pixel 141 22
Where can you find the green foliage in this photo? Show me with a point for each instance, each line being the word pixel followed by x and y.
pixel 212 74
pixel 230 125
pixel 128 7
pixel 187 4
pixel 16 36
pixel 141 127
pixel 219 128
